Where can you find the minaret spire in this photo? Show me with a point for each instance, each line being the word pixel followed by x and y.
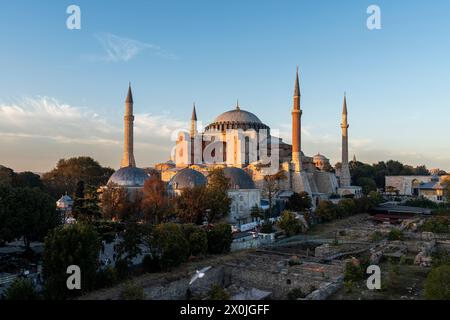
pixel 297 86
pixel 193 131
pixel 128 153
pixel 129 98
pixel 296 127
pixel 345 178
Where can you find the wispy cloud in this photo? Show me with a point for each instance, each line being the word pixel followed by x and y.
pixel 122 49
pixel 48 118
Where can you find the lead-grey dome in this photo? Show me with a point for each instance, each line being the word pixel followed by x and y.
pixel 129 177
pixel 187 178
pixel 236 119
pixel 239 179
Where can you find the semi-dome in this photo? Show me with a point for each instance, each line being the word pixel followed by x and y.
pixel 129 177
pixel 239 179
pixel 236 119
pixel 187 178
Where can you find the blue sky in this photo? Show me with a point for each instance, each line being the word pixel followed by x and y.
pixel 62 91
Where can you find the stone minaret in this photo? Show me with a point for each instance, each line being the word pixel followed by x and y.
pixel 128 154
pixel 345 178
pixel 193 131
pixel 296 128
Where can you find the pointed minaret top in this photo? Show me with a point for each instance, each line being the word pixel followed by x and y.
pixel 129 95
pixel 344 108
pixel 354 158
pixel 194 113
pixel 237 105
pixel 297 86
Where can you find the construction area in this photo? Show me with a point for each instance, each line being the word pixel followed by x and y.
pixel 310 266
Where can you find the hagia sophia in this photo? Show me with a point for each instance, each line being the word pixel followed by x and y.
pixel 240 143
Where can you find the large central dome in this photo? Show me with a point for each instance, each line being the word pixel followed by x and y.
pixel 237 119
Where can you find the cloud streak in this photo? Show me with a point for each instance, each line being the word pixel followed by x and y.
pixel 48 118
pixel 122 49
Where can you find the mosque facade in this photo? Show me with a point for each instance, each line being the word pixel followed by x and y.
pixel 238 141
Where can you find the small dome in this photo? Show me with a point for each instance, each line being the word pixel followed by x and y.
pixel 320 157
pixel 239 179
pixel 187 178
pixel 129 177
pixel 64 202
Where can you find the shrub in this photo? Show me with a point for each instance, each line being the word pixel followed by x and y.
pixel 290 224
pixel 440 257
pixel 327 211
pixel 295 294
pixel 122 269
pixel 353 272
pixel 132 292
pixel 436 225
pixel 347 207
pixel 218 293
pixel 437 284
pixel 349 285
pixel 106 277
pixel 21 289
pixel 421 203
pixel 220 239
pixel 151 263
pixel 376 236
pixel 267 227
pixel 396 234
pixel 363 205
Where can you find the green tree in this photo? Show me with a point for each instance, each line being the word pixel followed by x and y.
pixel 375 198
pixel 87 205
pixel 218 201
pixel 267 227
pixel 132 241
pixel 27 213
pixel 220 238
pixel 198 239
pixel 437 284
pixel 169 244
pixel 347 207
pixel 299 202
pixel 21 289
pixel 69 172
pixel 116 203
pixel 191 205
pixel 155 201
pixel 367 184
pixel 37 214
pixel 327 211
pixel 6 175
pixel 272 186
pixel 289 223
pixel 256 213
pixel 77 244
pixel 27 180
